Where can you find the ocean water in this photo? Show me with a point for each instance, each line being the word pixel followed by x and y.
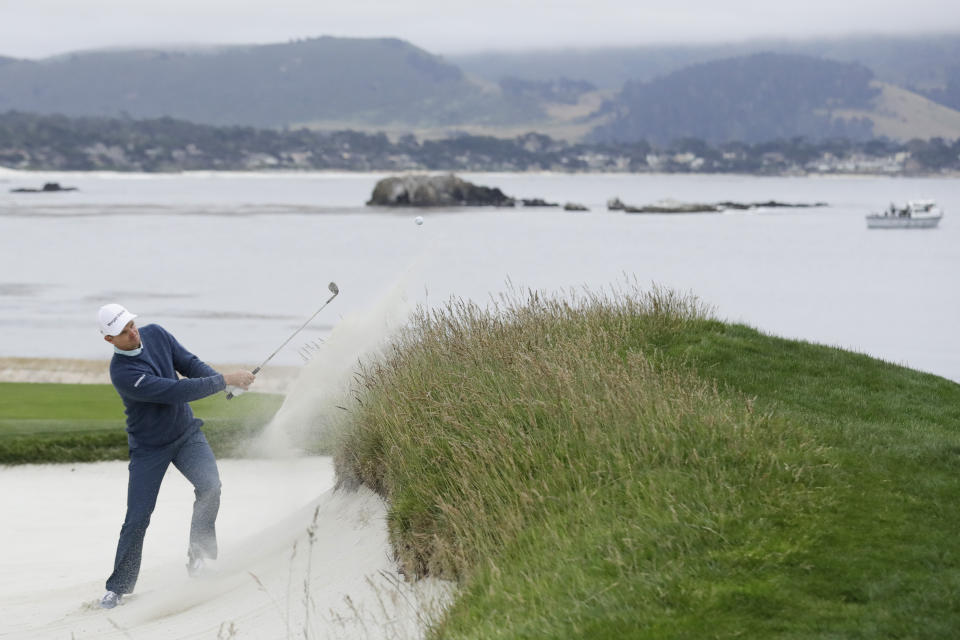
pixel 233 263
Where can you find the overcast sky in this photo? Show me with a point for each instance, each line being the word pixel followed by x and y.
pixel 39 28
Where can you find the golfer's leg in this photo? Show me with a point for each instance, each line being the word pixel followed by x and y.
pixel 146 474
pixel 195 460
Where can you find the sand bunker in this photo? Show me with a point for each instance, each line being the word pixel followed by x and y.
pixel 292 564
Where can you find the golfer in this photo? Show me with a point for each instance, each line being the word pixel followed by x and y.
pixel 161 429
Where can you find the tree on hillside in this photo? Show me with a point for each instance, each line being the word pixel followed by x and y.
pixel 949 96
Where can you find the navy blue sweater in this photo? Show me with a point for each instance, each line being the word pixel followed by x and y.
pixel 154 399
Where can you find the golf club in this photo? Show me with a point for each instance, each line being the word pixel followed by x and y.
pixel 236 391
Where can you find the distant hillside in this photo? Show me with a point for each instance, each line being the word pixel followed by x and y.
pixel 620 95
pixel 901 115
pixel 322 79
pixel 749 99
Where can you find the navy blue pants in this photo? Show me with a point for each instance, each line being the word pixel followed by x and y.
pixel 192 456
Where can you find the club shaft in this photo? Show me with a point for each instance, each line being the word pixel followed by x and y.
pixel 270 357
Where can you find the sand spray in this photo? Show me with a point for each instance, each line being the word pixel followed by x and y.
pixel 314 403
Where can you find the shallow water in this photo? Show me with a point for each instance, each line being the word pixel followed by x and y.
pixel 233 263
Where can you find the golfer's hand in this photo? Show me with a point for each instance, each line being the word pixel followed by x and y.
pixel 240 379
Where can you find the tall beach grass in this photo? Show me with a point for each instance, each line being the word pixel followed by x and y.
pixel 553 455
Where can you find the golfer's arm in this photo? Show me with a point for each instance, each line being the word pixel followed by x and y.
pixel 194 367
pixel 149 388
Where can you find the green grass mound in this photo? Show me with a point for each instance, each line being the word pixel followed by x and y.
pixel 626 466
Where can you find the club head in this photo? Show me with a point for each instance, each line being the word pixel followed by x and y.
pixel 333 288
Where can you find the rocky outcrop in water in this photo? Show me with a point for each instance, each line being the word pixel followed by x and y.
pixel 538 202
pixel 423 190
pixel 49 187
pixel 673 206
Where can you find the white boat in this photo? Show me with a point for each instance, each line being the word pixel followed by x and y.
pixel 918 214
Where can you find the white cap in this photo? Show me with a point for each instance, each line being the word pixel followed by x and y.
pixel 113 318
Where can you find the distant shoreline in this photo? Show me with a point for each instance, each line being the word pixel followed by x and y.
pixel 6 173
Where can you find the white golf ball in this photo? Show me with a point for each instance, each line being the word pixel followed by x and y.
pixel 418 219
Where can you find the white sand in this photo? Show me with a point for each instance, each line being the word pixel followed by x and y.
pixel 279 542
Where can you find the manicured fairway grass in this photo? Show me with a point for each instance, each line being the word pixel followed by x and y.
pixel 626 466
pixel 74 423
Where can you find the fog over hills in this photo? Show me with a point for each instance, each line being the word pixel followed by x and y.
pixel 913 62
